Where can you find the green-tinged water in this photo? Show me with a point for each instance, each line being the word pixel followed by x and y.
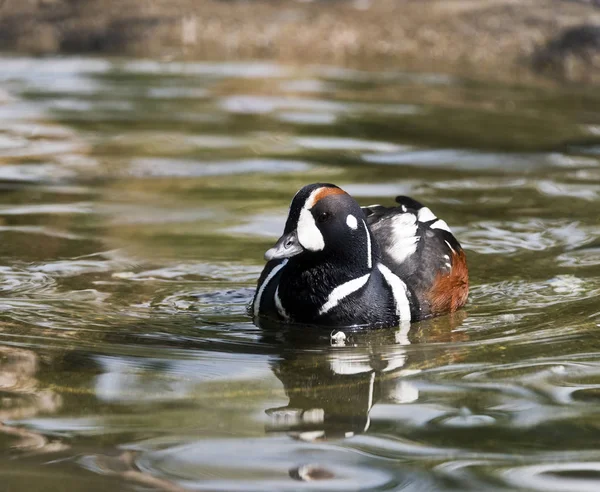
pixel 136 202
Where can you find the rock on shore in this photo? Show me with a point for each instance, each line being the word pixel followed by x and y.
pixel 491 39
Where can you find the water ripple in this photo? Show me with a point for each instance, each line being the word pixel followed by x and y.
pixel 16 282
pixel 160 168
pixel 150 345
pixel 491 237
pixel 555 477
pixel 194 466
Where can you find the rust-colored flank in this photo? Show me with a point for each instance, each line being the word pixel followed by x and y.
pixel 450 292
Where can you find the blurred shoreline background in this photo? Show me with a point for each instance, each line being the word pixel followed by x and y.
pixel 149 151
pixel 503 40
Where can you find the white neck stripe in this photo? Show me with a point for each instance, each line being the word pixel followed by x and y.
pixel 369 257
pixel 399 292
pixel 263 286
pixel 343 291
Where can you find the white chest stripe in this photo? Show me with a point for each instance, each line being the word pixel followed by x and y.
pixel 399 292
pixel 280 309
pixel 343 291
pixel 263 286
pixel 369 257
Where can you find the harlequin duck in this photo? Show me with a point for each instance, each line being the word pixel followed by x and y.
pixel 340 264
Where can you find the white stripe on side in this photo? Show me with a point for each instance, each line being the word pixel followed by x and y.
pixel 399 292
pixel 280 309
pixel 369 256
pixel 343 291
pixel 263 286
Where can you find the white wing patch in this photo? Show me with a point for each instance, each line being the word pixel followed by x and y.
pixel 426 215
pixel 263 286
pixel 343 291
pixel 399 292
pixel 440 224
pixel 404 238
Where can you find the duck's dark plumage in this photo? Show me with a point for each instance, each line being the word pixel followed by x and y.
pixel 339 264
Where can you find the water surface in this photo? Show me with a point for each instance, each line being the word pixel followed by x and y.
pixel 137 199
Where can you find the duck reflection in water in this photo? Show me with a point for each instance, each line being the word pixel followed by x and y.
pixel 332 389
pixel 24 397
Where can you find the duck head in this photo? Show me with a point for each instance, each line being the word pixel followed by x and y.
pixel 325 222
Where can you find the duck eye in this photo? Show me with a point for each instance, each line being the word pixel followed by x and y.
pixel 323 217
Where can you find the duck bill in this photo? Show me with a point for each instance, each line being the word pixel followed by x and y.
pixel 286 247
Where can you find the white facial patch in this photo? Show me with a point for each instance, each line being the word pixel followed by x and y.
pixel 403 238
pixel 351 222
pixel 309 235
pixel 399 292
pixel 426 215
